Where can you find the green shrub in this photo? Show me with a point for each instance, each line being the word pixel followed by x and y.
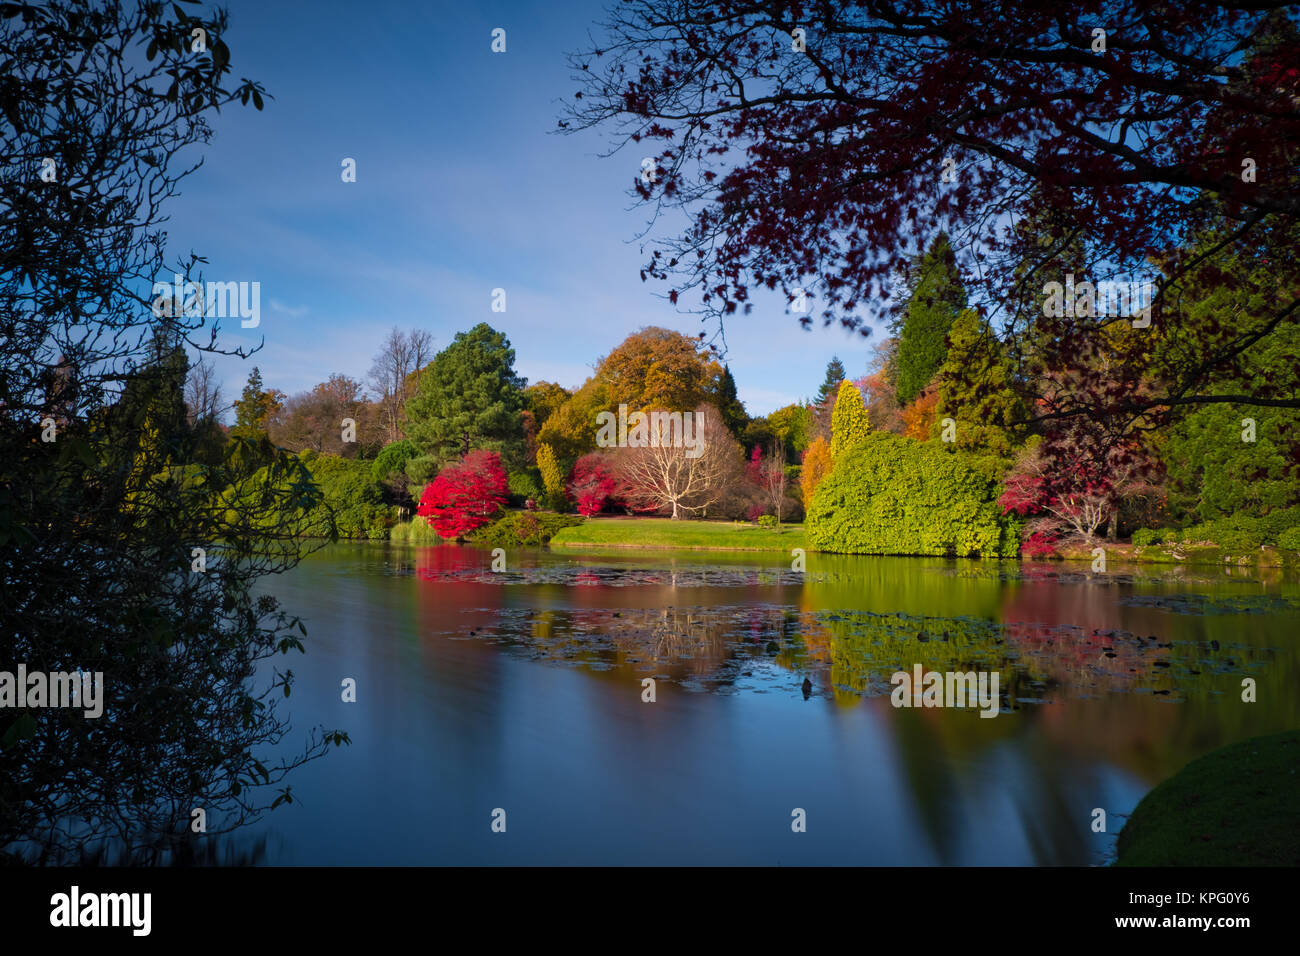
pixel 1235 533
pixel 1145 537
pixel 1276 522
pixel 393 457
pixel 894 495
pixel 354 497
pixel 523 528
pixel 524 485
pixel 767 521
pixel 1289 539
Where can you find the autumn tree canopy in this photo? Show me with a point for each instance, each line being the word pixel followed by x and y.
pixel 815 147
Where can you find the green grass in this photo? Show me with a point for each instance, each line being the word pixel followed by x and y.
pixel 687 535
pixel 1238 806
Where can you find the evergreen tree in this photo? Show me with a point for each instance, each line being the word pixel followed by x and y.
pixel 831 384
pixel 730 407
pixel 470 397
pixel 976 388
pixel 552 477
pixel 255 407
pixel 850 423
pixel 936 298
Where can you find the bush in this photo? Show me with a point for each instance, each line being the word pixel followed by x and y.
pixel 523 528
pixel 893 495
pixel 393 458
pixel 1276 522
pixel 1289 539
pixel 1145 537
pixel 1237 533
pixel 352 494
pixel 767 521
pixel 523 485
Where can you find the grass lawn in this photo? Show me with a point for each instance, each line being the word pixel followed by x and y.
pixel 684 534
pixel 1238 806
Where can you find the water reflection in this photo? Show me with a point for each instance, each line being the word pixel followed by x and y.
pixel 523 687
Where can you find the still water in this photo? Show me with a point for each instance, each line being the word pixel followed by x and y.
pixel 521 690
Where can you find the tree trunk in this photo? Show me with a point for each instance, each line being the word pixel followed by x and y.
pixel 1112 531
pixel 675 514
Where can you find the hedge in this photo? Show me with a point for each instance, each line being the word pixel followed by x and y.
pixel 895 495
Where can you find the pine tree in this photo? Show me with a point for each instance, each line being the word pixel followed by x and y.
pixel 937 298
pixel 468 398
pixel 831 384
pixel 850 422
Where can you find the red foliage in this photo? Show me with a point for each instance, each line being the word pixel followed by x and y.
pixel 1040 544
pixel 465 495
pixel 591 484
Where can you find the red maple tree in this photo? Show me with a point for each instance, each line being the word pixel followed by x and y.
pixel 591 484
pixel 465 495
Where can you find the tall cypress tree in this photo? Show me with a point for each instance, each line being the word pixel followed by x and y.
pixel 937 297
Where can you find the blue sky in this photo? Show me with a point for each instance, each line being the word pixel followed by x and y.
pixel 461 188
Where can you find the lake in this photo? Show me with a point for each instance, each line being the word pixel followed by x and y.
pixel 521 691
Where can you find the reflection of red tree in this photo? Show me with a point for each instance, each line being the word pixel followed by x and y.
pixel 441 570
pixel 1070 634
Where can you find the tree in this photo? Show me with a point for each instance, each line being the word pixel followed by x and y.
pixel 395 371
pixel 552 477
pixel 659 368
pixel 1074 481
pixel 975 388
pixel 921 128
pixel 936 298
pixel 816 466
pixel 470 397
pixel 653 368
pixel 667 475
pixel 466 495
pixel 850 424
pixel 879 394
pixel 314 420
pixel 203 400
pixel 729 404
pixel 770 476
pixel 255 407
pixel 919 417
pixel 193 702
pixel 792 426
pixel 831 383
pixel 824 405
pixel 591 483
